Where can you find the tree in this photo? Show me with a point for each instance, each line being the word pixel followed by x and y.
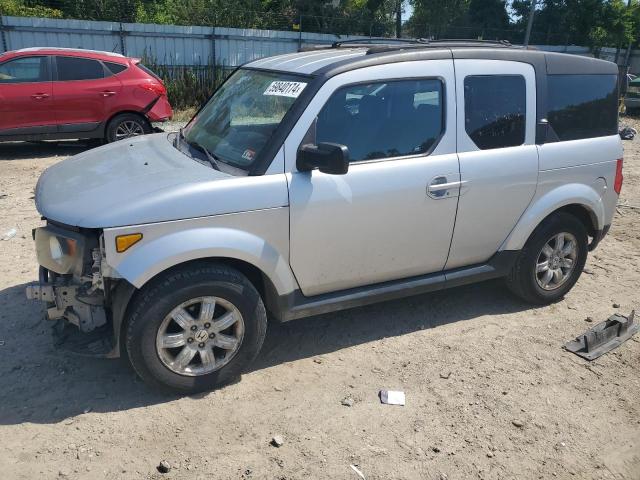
pixel 431 18
pixel 18 8
pixel 489 14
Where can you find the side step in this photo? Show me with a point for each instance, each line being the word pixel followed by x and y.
pixel 604 337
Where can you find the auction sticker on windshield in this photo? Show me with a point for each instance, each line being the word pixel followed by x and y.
pixel 285 89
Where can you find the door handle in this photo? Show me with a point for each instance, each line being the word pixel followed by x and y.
pixel 40 96
pixel 108 93
pixel 440 187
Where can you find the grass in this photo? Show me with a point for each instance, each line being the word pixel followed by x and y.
pixel 183 114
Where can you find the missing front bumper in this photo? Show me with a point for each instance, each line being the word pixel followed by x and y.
pixel 63 302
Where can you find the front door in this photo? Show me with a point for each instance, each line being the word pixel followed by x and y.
pixel 26 97
pixel 392 215
pixel 84 93
pixel 498 155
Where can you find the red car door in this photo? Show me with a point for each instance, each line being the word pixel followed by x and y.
pixel 84 93
pixel 26 96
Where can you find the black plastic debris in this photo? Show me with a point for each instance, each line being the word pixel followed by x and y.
pixel 604 336
pixel 627 133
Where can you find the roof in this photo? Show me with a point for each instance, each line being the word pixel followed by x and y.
pixel 69 51
pixel 308 62
pixel 345 56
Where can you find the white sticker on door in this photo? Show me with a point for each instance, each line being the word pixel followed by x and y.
pixel 285 89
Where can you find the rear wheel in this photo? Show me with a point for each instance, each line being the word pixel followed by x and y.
pixel 195 328
pixel 552 260
pixel 127 125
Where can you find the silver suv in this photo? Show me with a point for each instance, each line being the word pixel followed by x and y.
pixel 323 180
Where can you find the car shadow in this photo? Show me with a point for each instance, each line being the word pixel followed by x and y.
pixel 45 149
pixel 42 384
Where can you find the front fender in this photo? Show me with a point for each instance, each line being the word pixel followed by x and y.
pixel 166 245
pixel 542 206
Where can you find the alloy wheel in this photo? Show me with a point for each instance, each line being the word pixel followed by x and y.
pixel 129 128
pixel 200 336
pixel 556 261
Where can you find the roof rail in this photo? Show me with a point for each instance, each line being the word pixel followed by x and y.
pixel 377 41
pixel 379 45
pixel 505 43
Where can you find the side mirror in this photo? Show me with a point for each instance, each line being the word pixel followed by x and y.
pixel 330 158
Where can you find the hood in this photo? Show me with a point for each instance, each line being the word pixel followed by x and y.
pixel 146 180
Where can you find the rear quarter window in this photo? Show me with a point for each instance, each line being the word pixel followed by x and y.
pixel 582 106
pixel 115 68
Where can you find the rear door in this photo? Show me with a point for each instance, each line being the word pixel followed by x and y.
pixel 498 156
pixel 391 216
pixel 26 96
pixel 84 92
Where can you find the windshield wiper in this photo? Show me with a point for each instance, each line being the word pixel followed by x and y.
pixel 213 160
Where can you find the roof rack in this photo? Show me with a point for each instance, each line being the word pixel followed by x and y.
pixel 504 43
pixel 377 41
pixel 379 45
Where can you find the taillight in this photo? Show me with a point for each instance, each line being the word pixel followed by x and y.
pixel 156 88
pixel 617 184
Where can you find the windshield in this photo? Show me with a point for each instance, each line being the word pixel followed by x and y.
pixel 236 123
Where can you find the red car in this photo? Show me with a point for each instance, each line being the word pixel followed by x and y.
pixel 58 93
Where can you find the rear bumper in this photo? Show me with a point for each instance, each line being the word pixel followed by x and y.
pixel 161 110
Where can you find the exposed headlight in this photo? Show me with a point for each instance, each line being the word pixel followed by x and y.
pixel 56 249
pixel 62 249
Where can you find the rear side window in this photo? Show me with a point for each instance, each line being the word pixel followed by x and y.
pixel 384 119
pixel 582 106
pixel 75 68
pixel 115 68
pixel 24 70
pixel 495 110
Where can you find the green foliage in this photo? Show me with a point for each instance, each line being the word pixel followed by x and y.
pixel 18 8
pixel 188 86
pixel 432 18
pixel 595 23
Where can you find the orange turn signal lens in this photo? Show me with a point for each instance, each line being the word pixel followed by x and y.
pixel 124 242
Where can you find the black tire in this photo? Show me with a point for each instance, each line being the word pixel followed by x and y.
pixel 122 119
pixel 522 278
pixel 156 300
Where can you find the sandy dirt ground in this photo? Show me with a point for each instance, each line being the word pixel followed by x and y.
pixel 490 392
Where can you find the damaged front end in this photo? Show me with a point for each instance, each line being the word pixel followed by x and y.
pixel 74 288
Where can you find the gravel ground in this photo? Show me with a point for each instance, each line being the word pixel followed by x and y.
pixel 490 392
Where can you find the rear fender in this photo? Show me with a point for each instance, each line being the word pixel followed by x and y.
pixel 540 208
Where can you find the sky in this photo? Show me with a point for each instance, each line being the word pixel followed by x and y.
pixel 407 11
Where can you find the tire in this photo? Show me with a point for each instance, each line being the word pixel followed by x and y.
pixel 524 280
pixel 153 318
pixel 126 122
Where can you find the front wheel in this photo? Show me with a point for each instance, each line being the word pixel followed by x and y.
pixel 196 328
pixel 551 261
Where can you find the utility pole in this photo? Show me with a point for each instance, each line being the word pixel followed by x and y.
pixel 627 54
pixel 399 20
pixel 530 23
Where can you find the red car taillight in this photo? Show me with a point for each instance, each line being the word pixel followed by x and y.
pixel 617 184
pixel 156 88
